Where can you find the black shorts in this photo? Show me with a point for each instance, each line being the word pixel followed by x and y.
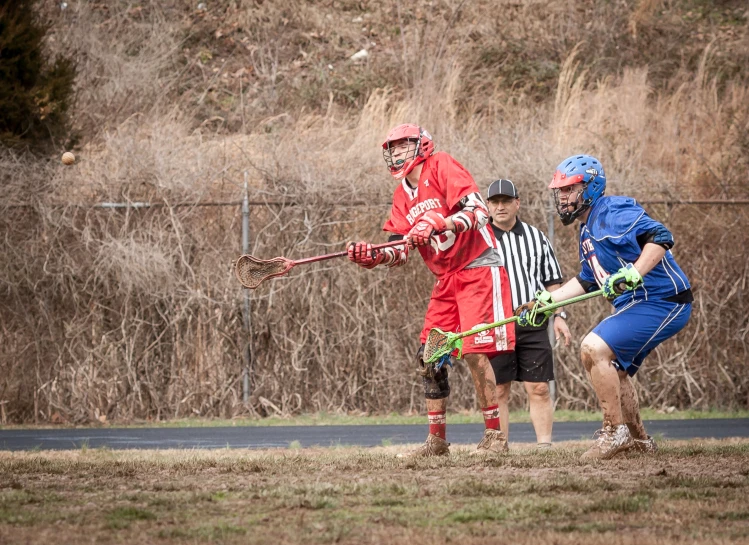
pixel 532 360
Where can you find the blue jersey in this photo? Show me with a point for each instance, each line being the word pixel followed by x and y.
pixel 608 241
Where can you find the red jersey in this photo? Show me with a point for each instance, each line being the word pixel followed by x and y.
pixel 443 182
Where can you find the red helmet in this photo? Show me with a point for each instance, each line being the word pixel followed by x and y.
pixel 420 146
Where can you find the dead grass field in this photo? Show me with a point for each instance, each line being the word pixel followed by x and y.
pixel 688 493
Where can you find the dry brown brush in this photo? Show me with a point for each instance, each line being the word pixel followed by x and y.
pixel 134 313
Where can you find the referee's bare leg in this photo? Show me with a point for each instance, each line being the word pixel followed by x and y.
pixel 503 400
pixel 541 409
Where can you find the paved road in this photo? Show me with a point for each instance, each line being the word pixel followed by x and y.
pixel 307 436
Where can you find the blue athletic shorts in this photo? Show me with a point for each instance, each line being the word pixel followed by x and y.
pixel 637 327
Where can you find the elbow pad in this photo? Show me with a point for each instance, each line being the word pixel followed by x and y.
pixel 657 235
pixel 473 214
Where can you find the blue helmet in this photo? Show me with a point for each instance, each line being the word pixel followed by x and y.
pixel 577 169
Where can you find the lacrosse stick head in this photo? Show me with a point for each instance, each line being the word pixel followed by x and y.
pixel 440 343
pixel 251 271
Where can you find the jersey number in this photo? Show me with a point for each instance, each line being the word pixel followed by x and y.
pixel 443 242
pixel 598 271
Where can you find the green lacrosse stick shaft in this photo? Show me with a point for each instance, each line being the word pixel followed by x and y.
pixel 454 341
pixel 545 309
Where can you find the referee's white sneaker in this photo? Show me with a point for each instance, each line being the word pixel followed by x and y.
pixel 611 441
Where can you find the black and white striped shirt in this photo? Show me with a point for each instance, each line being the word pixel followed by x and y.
pixel 529 260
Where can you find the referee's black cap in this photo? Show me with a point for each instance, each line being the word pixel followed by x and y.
pixel 502 187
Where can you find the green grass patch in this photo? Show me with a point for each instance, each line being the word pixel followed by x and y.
pixel 589 527
pixel 570 484
pixel 388 502
pixel 479 513
pixel 219 531
pixel 692 495
pixel 13 516
pixel 212 532
pixel 122 517
pixel 621 504
pixel 733 515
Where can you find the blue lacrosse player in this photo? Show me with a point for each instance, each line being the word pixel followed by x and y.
pixel 627 254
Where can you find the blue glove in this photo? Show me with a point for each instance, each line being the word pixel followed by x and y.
pixel 625 279
pixel 531 314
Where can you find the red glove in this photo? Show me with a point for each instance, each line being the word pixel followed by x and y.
pixel 428 224
pixel 363 255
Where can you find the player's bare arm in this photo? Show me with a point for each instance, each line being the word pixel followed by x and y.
pixel 532 313
pixel 571 288
pixel 652 254
pixel 568 290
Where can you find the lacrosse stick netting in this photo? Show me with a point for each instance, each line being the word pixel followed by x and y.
pixel 440 343
pixel 251 271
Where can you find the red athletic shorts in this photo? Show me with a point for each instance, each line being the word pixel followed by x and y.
pixel 469 298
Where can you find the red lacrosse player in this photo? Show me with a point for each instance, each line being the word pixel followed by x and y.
pixel 438 209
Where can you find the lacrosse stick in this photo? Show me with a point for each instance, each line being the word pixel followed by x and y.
pixel 251 271
pixel 442 343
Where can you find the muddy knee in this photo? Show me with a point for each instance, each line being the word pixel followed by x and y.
pixel 473 361
pixel 587 355
pixel 594 351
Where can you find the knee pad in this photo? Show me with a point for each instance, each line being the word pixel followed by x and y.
pixel 436 385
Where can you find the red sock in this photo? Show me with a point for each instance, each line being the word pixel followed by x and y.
pixel 491 417
pixel 437 423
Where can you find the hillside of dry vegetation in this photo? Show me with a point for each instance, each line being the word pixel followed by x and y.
pixel 134 313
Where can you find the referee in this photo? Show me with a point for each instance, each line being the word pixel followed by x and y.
pixel 531 266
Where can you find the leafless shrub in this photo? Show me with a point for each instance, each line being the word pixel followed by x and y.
pixel 126 61
pixel 134 313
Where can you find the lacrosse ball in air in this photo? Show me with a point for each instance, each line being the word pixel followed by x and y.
pixel 68 158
